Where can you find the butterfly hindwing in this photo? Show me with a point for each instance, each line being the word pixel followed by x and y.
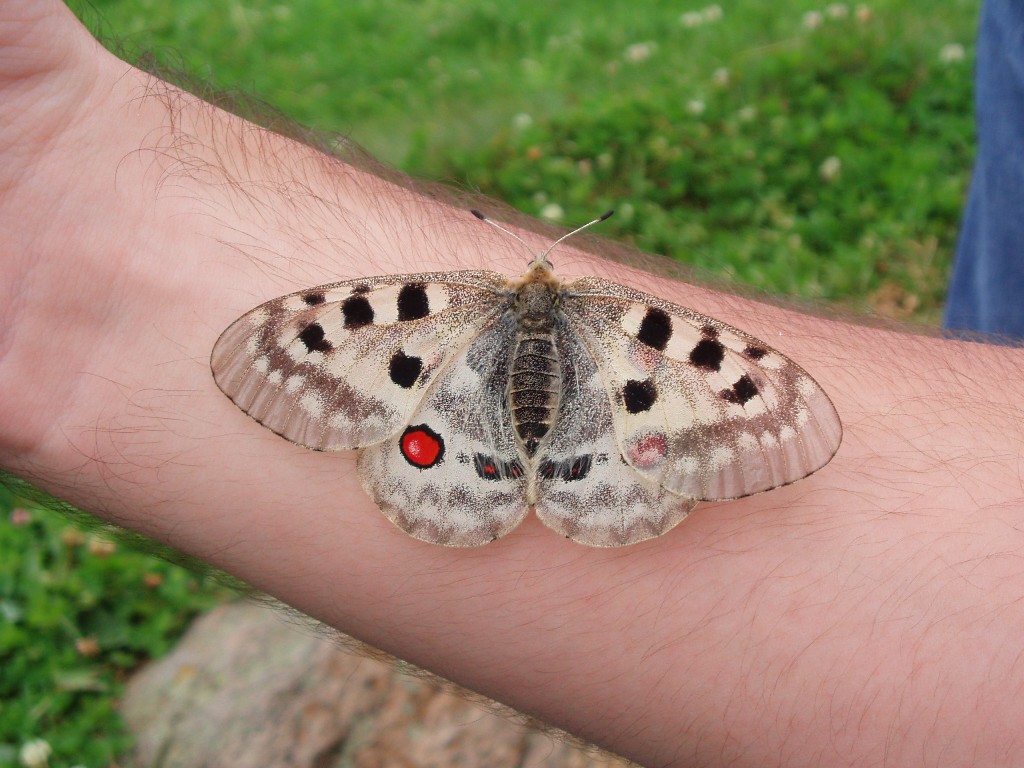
pixel 700 408
pixel 586 491
pixel 345 365
pixel 454 475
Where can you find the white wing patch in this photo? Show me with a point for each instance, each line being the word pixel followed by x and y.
pixel 474 398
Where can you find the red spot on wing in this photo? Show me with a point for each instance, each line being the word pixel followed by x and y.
pixel 648 450
pixel 421 446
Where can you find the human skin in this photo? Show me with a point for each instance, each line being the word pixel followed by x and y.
pixel 868 615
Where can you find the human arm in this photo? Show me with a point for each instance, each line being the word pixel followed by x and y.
pixel 869 611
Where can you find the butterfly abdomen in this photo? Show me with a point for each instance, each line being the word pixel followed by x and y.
pixel 534 388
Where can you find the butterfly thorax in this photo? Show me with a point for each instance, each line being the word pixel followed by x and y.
pixel 535 385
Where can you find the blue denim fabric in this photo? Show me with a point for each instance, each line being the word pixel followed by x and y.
pixel 987 289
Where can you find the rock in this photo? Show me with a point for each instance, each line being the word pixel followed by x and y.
pixel 244 688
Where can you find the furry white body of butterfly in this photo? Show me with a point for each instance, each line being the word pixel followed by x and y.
pixel 474 397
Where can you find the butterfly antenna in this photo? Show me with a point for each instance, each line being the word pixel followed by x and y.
pixel 598 220
pixel 543 256
pixel 499 227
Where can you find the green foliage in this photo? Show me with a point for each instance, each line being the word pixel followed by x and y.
pixel 79 613
pixel 827 166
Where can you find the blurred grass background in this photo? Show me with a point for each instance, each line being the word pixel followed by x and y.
pixel 815 150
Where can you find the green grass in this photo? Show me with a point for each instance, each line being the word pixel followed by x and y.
pixel 713 142
pixel 78 613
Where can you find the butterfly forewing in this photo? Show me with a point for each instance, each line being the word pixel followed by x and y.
pixel 344 365
pixel 703 409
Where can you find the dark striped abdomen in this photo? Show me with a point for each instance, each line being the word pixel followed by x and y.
pixel 534 388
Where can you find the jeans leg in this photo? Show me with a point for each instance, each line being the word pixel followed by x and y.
pixel 987 289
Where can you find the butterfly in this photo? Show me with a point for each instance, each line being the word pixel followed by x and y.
pixel 473 397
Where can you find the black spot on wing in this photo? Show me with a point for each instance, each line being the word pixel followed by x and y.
pixel 743 390
pixel 314 338
pixel 404 369
pixel 412 302
pixel 357 311
pixel 568 470
pixel 755 353
pixel 489 468
pixel 709 331
pixel 708 354
pixel 655 329
pixel 639 396
pixel 314 299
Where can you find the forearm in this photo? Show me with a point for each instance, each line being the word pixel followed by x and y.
pixel 868 613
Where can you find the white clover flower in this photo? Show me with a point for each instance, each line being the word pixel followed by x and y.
pixel 521 121
pixel 35 753
pixel 101 547
pixel 830 169
pixel 747 114
pixel 720 77
pixel 711 14
pixel 812 19
pixel 638 52
pixel 837 11
pixel 691 19
pixel 951 53
pixel 20 516
pixel 552 212
pixel 695 107
pixel 863 13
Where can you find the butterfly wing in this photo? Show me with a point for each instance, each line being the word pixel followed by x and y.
pixel 454 475
pixel 586 490
pixel 700 408
pixel 346 365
